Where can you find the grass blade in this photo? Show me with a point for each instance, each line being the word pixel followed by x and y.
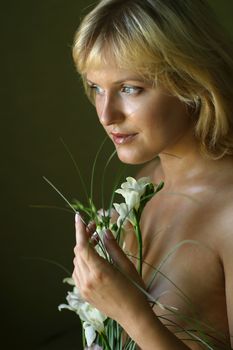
pixel 94 166
pixel 103 177
pixel 52 185
pixel 76 167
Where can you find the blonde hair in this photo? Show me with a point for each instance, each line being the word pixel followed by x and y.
pixel 177 44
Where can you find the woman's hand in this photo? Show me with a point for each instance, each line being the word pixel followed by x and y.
pixel 102 284
pixel 107 287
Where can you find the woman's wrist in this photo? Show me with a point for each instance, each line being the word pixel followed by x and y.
pixel 149 333
pixel 138 321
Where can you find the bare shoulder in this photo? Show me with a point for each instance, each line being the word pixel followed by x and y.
pixel 224 231
pixel 224 224
pixel 217 221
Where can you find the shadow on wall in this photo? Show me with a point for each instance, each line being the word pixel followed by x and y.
pixel 42 101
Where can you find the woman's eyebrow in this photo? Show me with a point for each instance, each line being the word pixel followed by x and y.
pixel 130 78
pixel 90 82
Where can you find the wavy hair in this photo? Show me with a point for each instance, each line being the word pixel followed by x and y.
pixel 176 44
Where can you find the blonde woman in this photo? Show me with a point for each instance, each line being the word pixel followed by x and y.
pixel 160 74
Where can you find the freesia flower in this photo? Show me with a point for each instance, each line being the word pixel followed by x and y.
pixel 100 232
pixel 124 213
pixel 90 333
pixel 132 190
pixel 93 319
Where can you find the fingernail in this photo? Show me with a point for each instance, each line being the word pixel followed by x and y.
pixel 91 226
pixel 108 234
pixel 95 237
pixel 77 217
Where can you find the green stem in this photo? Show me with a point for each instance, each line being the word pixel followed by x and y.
pixel 139 240
pixel 105 341
pixel 103 178
pixel 83 337
pixel 76 167
pixel 59 192
pixel 94 166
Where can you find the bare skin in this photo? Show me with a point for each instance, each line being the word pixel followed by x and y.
pixel 196 205
pixel 192 209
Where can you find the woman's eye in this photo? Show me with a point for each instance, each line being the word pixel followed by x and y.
pixel 96 89
pixel 131 90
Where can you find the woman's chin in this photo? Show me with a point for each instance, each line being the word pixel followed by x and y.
pixel 132 158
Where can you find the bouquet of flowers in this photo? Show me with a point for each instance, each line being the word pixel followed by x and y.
pixel 97 327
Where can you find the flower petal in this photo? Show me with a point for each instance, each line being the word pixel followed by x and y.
pixel 69 280
pixel 132 199
pixel 89 333
pixel 64 306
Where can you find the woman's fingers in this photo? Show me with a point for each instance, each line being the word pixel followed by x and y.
pixel 113 248
pixel 118 256
pixel 94 240
pixel 86 239
pixel 90 229
pixel 80 230
pixel 85 251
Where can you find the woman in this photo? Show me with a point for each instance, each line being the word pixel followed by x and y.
pixel 160 73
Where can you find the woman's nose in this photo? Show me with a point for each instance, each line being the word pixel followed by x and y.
pixel 110 111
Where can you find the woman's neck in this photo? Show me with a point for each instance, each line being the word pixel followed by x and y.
pixel 184 163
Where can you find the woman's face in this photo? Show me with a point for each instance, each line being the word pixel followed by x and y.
pixel 142 121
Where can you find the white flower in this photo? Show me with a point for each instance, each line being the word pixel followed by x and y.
pixel 124 213
pixel 89 333
pixel 100 245
pixel 69 280
pixel 132 191
pixel 92 317
pixel 100 234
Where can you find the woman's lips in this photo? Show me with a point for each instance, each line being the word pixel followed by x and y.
pixel 120 139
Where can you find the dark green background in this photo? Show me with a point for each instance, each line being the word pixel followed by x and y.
pixel 42 100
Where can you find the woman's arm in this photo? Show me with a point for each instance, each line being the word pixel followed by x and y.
pixel 109 290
